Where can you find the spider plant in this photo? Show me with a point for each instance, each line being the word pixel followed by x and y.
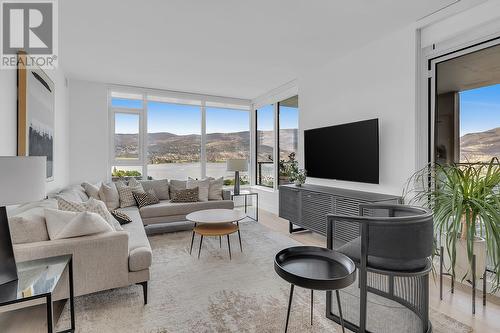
pixel 465 199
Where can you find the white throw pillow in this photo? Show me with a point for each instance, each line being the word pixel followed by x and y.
pixel 92 190
pixel 215 188
pixel 64 224
pixel 202 185
pixel 92 205
pixel 109 194
pixel 29 226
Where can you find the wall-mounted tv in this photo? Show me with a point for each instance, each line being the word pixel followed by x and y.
pixel 343 152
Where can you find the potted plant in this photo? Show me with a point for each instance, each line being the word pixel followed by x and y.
pixel 465 199
pixel 288 168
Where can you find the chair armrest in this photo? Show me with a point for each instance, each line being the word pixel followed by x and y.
pixel 100 261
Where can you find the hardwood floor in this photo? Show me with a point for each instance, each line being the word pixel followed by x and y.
pixel 457 305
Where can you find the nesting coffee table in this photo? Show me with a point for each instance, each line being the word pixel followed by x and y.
pixel 216 222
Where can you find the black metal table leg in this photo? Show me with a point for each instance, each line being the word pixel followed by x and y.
pixel 312 305
pixel 289 307
pixel 50 325
pixel 220 242
pixel 199 250
pixel 71 296
pixel 257 211
pixel 340 311
pixel 246 196
pixel 239 236
pixel 229 246
pixel 192 241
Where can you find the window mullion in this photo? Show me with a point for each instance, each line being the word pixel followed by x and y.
pixel 203 151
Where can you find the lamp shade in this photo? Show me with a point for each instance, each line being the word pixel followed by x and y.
pixel 22 179
pixel 237 165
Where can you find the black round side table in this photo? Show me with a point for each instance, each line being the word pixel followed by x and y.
pixel 314 268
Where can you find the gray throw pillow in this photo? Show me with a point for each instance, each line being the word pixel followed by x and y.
pixel 159 186
pixel 187 195
pixel 177 185
pixel 203 185
pixel 109 194
pixel 92 190
pixel 125 192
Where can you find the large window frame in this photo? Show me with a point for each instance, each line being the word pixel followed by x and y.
pixel 275 101
pixel 173 97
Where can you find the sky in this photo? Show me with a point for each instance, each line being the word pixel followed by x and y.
pixel 479 109
pixel 186 119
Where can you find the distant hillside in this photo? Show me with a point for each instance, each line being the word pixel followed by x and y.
pixel 480 147
pixel 171 148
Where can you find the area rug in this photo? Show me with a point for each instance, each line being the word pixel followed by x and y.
pixel 213 293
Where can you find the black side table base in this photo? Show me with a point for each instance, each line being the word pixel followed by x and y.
pixel 292 287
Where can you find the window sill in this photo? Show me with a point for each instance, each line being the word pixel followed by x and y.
pixel 264 188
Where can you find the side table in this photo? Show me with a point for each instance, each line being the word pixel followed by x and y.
pixel 38 279
pixel 246 194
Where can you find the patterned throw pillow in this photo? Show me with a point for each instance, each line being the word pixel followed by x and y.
pixel 187 195
pixel 145 198
pixel 125 192
pixel 93 206
pixel 121 217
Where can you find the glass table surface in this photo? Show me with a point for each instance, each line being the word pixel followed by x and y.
pixel 35 278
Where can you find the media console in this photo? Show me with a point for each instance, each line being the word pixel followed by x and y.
pixel 306 206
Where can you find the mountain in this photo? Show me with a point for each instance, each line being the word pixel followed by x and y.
pixel 480 147
pixel 171 148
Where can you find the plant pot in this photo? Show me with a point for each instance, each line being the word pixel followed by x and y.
pixel 462 264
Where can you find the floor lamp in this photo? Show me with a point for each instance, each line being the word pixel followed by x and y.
pixel 22 179
pixel 237 165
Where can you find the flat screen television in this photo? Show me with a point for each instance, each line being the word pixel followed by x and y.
pixel 343 152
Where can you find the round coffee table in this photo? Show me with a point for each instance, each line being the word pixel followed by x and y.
pixel 215 222
pixel 315 268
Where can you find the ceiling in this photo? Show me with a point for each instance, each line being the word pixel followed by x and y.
pixel 473 70
pixel 220 47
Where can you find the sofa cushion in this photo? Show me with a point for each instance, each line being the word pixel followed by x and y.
pixel 91 205
pixel 352 249
pixel 92 190
pixel 140 254
pixel 168 208
pixel 160 186
pixel 215 188
pixel 202 184
pixel 29 226
pixel 64 224
pixel 109 194
pixel 177 185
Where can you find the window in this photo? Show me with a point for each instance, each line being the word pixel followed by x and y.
pixel 174 140
pixel 288 137
pixel 467 107
pixel 176 135
pixel 480 124
pixel 265 145
pixel 228 137
pixel 126 136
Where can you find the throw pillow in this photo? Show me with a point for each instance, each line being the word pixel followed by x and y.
pixel 29 226
pixel 92 205
pixel 125 192
pixel 91 190
pixel 215 188
pixel 187 195
pixel 121 217
pixel 177 185
pixel 65 224
pixel 144 199
pixel 202 185
pixel 109 194
pixel 160 186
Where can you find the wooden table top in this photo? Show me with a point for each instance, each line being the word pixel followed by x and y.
pixel 220 229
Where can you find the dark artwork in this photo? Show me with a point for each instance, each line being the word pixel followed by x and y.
pixel 41 144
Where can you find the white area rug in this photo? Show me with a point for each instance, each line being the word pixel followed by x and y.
pixel 213 294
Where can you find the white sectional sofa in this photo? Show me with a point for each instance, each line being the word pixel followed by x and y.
pixel 102 261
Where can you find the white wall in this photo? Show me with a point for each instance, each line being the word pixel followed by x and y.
pixel 375 81
pixel 89 141
pixel 8 123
